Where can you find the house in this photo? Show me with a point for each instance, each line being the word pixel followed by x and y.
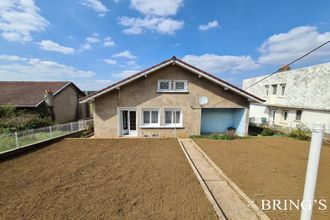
pixel 61 98
pixel 170 99
pixel 292 97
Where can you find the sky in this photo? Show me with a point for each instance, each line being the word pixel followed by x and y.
pixel 95 43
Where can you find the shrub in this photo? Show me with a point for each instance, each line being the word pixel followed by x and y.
pixel 302 132
pixel 267 132
pixel 12 120
pixel 7 111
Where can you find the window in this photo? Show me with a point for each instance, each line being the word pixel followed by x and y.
pixel 282 89
pixel 274 87
pixel 172 86
pixel 285 116
pixel 164 85
pixel 267 90
pixel 298 115
pixel 173 117
pixel 150 117
pixel 180 85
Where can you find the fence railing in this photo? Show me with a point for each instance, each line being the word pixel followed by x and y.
pixel 23 138
pixel 287 125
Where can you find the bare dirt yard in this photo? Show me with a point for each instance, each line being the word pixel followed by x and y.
pixel 270 168
pixel 103 179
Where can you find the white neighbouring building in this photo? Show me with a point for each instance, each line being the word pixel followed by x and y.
pixel 292 97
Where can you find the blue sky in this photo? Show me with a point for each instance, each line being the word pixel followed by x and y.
pixel 97 42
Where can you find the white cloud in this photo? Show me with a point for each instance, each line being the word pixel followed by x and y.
pixel 210 25
pixel 285 47
pixel 125 54
pixel 125 73
pixel 12 58
pixel 156 7
pixel 55 47
pixel 18 18
pixel 108 42
pixel 96 5
pixel 110 61
pixel 159 24
pixel 216 64
pixel 24 68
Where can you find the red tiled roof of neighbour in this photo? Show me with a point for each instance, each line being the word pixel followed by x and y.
pixel 166 62
pixel 28 93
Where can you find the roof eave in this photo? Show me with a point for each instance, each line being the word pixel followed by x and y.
pixel 178 62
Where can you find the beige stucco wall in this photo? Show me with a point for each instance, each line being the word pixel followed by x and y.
pixel 65 105
pixel 142 93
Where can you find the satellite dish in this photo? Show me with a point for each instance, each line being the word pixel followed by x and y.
pixel 203 100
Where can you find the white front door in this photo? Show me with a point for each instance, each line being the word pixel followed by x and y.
pixel 128 122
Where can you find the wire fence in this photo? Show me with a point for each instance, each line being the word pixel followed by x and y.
pixel 23 138
pixel 287 126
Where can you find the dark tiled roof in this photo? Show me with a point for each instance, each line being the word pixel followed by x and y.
pixel 25 93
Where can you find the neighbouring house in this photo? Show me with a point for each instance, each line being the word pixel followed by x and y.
pixel 61 98
pixel 170 99
pixel 292 97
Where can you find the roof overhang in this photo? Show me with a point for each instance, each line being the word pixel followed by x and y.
pixel 173 61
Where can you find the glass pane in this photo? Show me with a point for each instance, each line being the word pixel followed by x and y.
pixel 154 117
pixel 179 85
pixel 274 89
pixel 125 124
pixel 177 116
pixel 146 117
pixel 164 85
pixel 168 117
pixel 132 120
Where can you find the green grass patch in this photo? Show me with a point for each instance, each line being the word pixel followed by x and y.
pixel 9 142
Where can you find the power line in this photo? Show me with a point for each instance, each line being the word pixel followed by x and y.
pixel 288 65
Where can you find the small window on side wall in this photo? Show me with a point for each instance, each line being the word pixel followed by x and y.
pixel 267 89
pixel 274 87
pixel 282 89
pixel 298 115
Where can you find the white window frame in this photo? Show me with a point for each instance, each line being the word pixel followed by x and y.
pixel 283 85
pixel 274 91
pixel 267 90
pixel 185 89
pixel 172 124
pixel 150 110
pixel 164 90
pixel 172 86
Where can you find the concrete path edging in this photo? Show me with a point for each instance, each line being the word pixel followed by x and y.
pixel 209 195
pixel 224 195
pixel 243 196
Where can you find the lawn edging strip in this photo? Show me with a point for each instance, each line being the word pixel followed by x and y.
pixel 207 191
pixel 236 189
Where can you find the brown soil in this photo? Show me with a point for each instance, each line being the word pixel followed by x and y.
pixel 270 168
pixel 103 179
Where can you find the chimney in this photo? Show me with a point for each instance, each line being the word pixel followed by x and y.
pixel 48 97
pixel 284 68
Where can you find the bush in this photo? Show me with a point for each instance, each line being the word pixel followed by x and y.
pixel 7 111
pixel 302 132
pixel 12 119
pixel 267 132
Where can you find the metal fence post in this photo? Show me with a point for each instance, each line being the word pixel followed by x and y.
pixel 71 126
pixel 311 173
pixel 16 139
pixel 50 131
